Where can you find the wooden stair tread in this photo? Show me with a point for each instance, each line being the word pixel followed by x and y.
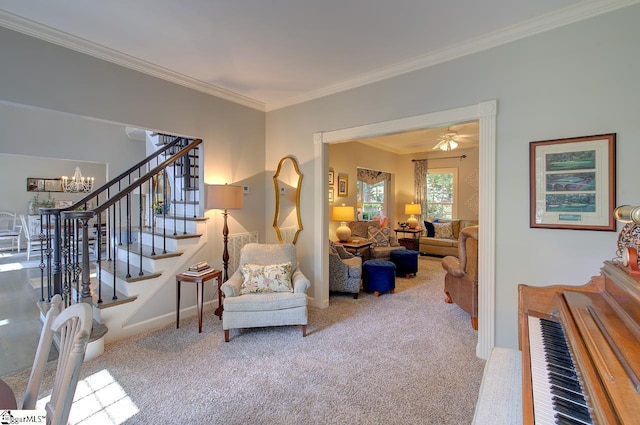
pixel 179 217
pixel 170 234
pixel 147 250
pixel 121 272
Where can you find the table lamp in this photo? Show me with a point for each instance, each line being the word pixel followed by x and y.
pixel 224 197
pixel 413 210
pixel 343 214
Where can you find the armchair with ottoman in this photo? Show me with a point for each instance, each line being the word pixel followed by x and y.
pixel 382 241
pixel 461 280
pixel 441 237
pixel 267 289
pixel 345 270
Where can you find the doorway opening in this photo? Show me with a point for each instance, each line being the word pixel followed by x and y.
pixel 485 113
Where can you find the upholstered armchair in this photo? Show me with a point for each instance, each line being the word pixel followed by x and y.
pixel 461 280
pixel 267 289
pixel 345 270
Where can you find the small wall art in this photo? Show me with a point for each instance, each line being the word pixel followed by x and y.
pixel 343 185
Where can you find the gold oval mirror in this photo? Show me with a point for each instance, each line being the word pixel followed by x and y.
pixel 287 182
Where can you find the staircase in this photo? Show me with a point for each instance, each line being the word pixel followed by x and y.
pixel 120 247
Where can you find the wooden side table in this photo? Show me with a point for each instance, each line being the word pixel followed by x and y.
pixel 199 281
pixel 362 248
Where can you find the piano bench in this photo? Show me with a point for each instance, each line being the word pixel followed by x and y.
pixel 500 396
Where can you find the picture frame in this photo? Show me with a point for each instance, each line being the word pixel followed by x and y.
pixel 331 198
pixel 343 186
pixel 573 183
pixel 40 184
pixel 331 176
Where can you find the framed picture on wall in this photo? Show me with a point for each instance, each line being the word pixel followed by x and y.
pixel 572 183
pixel 343 186
pixel 331 195
pixel 331 177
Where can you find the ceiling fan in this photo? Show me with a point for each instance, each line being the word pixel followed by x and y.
pixel 447 141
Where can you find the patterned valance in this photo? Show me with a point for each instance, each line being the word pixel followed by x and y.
pixel 372 176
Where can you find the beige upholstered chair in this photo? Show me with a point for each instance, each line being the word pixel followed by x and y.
pixel 461 280
pixel 72 328
pixel 260 309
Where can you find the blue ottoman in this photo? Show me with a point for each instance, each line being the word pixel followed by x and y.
pixel 379 276
pixel 406 262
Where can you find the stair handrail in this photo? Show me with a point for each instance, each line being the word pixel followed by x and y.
pixel 52 240
pixel 127 173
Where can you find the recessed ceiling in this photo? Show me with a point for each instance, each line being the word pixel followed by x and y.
pixel 424 140
pixel 273 53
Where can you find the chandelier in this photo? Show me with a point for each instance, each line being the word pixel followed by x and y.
pixel 447 141
pixel 77 183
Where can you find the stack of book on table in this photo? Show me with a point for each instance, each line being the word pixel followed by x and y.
pixel 199 269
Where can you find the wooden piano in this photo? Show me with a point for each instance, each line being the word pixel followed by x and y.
pixel 581 350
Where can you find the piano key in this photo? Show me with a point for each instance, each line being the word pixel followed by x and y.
pixel 558 397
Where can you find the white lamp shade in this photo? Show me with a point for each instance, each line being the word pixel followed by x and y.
pixel 224 197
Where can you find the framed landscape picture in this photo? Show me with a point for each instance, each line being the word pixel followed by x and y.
pixel 331 198
pixel 331 174
pixel 572 183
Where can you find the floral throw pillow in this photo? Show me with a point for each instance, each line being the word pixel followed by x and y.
pixel 269 278
pixel 378 237
pixel 443 230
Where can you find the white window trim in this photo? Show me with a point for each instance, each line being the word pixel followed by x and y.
pixel 454 171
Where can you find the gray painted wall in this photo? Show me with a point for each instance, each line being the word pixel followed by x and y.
pixel 578 80
pixel 37 74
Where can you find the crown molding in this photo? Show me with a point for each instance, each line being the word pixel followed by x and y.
pixel 525 29
pixel 51 35
pixel 568 15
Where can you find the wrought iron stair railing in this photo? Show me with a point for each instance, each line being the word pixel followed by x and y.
pixel 105 219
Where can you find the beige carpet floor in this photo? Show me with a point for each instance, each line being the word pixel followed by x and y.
pixel 402 358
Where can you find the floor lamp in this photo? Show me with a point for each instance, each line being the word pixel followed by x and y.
pixel 224 197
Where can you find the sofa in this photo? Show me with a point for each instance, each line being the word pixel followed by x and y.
pixel 382 241
pixel 445 240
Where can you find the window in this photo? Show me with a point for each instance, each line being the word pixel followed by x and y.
pixel 372 187
pixel 440 196
pixel 372 197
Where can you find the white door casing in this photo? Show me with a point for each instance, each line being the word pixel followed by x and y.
pixel 485 113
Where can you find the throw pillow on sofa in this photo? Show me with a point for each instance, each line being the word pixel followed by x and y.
pixel 431 231
pixel 378 237
pixel 443 230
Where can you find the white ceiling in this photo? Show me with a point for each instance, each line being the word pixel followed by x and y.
pixel 272 53
pixel 268 54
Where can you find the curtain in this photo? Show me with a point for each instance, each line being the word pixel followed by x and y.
pixel 372 176
pixel 419 182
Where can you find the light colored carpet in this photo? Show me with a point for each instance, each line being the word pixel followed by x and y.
pixel 403 358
